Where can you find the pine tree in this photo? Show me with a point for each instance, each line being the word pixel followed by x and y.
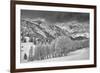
pixel 31 54
pixel 25 56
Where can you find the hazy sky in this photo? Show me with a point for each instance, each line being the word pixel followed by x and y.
pixel 52 16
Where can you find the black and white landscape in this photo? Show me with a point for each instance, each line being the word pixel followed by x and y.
pixel 54 36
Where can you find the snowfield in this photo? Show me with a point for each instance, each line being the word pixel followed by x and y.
pixel 82 54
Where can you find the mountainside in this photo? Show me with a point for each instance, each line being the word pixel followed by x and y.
pixel 42 40
pixel 39 28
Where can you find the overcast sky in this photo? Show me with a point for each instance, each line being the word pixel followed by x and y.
pixel 52 16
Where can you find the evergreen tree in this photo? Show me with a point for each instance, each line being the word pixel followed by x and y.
pixel 25 56
pixel 31 54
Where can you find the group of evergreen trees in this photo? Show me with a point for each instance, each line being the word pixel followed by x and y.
pixel 57 48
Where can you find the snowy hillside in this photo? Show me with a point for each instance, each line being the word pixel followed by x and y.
pixel 52 40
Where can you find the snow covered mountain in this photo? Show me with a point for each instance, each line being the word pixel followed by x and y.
pixel 41 29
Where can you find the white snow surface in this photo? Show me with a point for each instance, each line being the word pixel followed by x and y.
pixel 81 54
